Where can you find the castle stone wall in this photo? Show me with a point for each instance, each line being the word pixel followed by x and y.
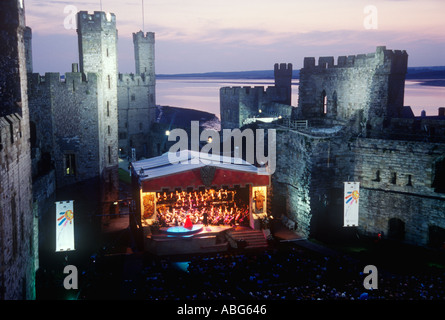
pixel 397 183
pixel 136 114
pixel 18 250
pixel 71 127
pixel 239 103
pixel 370 86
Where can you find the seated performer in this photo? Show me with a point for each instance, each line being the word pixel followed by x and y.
pixel 188 223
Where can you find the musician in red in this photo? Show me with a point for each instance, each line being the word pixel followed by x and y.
pixel 188 223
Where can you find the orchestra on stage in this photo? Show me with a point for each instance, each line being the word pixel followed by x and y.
pixel 207 207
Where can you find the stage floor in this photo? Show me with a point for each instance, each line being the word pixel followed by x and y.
pixel 201 239
pixel 197 230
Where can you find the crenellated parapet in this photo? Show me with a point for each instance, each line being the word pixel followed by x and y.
pixel 366 87
pixel 148 37
pixel 70 80
pixel 131 79
pixel 96 21
pixel 239 103
pixel 283 69
pixel 397 59
pixel 237 91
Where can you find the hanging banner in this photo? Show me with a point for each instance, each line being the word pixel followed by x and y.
pixel 259 200
pixel 351 198
pixel 64 226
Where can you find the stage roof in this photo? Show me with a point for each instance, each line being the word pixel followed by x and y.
pixel 196 169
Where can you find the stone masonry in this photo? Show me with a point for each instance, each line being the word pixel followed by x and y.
pixel 240 103
pixel 358 130
pixel 18 236
pixel 97 37
pixel 137 99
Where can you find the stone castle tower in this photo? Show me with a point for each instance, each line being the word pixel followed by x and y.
pixel 137 99
pixel 83 119
pixel 144 53
pixel 97 36
pixel 358 129
pixel 368 87
pixel 238 104
pixel 283 80
pixel 18 246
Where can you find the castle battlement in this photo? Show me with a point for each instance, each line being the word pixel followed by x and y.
pixel 95 21
pixel 237 91
pixel 133 79
pixel 283 67
pixel 148 36
pixel 360 60
pixel 251 91
pixel 54 79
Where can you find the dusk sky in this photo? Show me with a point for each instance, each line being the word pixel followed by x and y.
pixel 238 35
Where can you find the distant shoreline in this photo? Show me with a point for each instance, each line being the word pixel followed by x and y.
pixel 428 75
pixel 433 83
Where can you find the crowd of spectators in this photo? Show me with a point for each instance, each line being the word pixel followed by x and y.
pixel 277 274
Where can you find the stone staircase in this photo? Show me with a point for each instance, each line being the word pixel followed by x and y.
pixel 247 238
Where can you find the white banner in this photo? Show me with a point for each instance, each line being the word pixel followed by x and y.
pixel 64 226
pixel 351 204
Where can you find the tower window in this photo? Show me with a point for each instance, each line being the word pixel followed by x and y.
pixel 109 82
pixel 394 178
pixel 70 164
pixel 108 108
pixel 109 154
pixel 439 176
pixel 325 105
pixel 377 176
pixel 133 97
pixel 410 182
pixel 325 102
pixel 109 130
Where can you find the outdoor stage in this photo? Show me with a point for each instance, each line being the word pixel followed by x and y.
pixel 179 240
pixel 224 192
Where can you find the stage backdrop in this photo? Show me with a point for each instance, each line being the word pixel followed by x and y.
pixel 64 226
pixel 351 204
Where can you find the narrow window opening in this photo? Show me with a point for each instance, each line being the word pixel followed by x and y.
pixel 70 164
pixel 377 176
pixel 410 181
pixel 394 178
pixel 325 102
